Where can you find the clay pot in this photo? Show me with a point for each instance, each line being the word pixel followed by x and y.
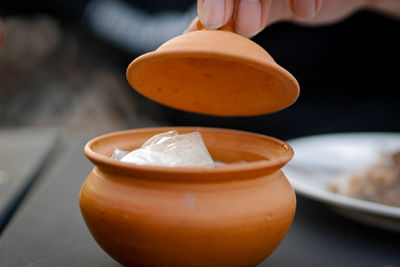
pixel 234 215
pixel 215 72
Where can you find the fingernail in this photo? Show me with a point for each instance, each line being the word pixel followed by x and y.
pixel 212 13
pixel 248 18
pixel 304 9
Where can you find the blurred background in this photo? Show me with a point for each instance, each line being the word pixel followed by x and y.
pixel 62 64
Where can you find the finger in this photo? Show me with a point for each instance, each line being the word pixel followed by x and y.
pixel 294 10
pixel 248 17
pixel 305 9
pixel 324 11
pixel 193 26
pixel 330 12
pixel 213 14
pixel 265 13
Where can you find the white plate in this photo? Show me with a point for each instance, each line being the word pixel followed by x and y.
pixel 319 158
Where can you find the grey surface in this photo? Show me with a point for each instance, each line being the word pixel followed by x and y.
pixel 49 231
pixel 22 153
pixel 320 237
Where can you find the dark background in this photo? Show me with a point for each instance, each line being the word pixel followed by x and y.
pixel 348 74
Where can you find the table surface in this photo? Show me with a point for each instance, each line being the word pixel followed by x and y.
pixel 48 230
pixel 22 154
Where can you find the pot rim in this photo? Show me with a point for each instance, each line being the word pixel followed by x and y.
pixel 254 168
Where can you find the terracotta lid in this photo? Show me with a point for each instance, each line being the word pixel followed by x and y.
pixel 213 72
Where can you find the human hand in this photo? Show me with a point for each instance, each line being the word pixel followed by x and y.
pixel 252 16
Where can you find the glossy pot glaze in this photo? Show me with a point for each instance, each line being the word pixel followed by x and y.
pixel 233 215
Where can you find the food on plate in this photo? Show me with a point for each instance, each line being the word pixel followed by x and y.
pixel 379 182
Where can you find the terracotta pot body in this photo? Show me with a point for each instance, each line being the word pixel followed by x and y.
pixel 234 215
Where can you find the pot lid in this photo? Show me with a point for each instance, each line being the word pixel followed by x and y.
pixel 213 72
